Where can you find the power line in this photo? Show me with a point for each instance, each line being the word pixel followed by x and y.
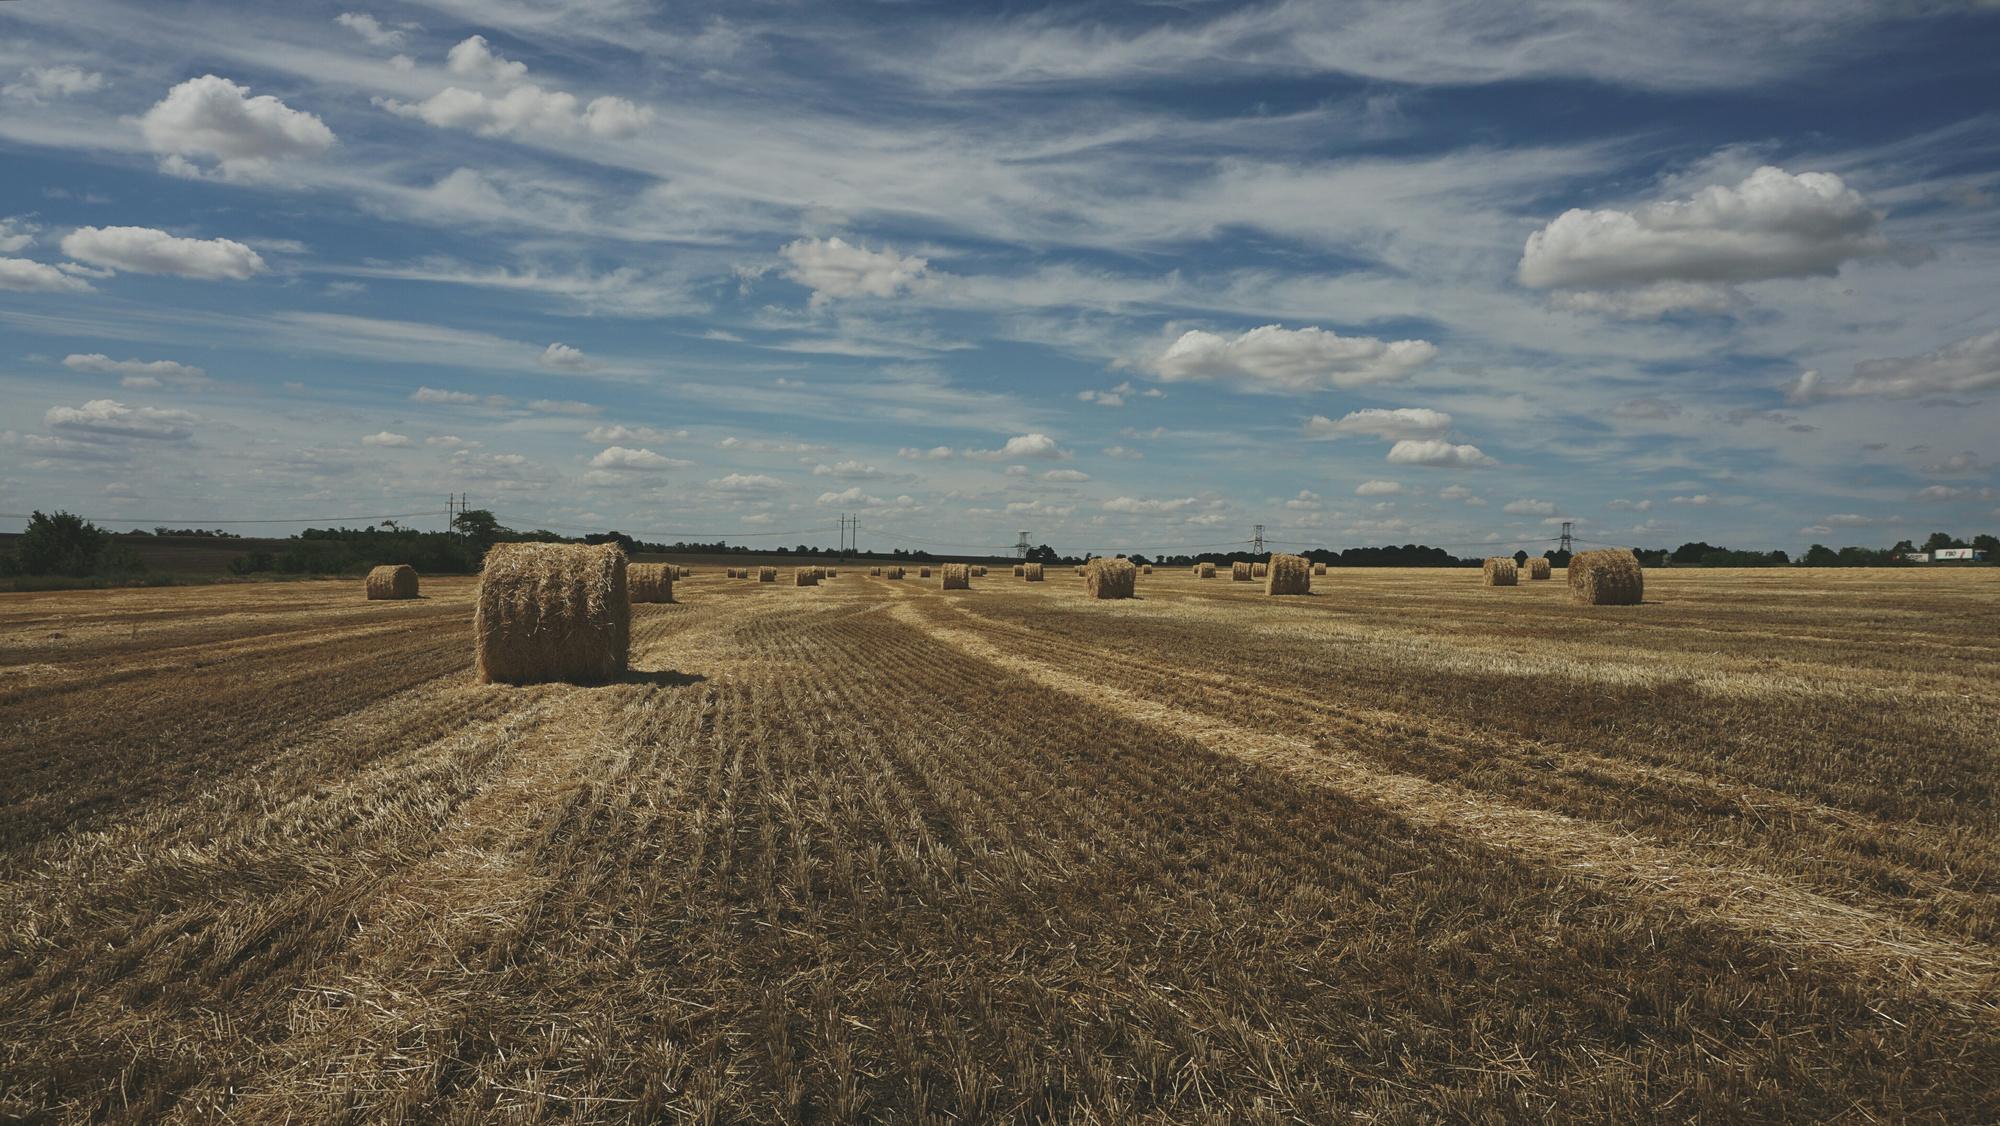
pixel 163 521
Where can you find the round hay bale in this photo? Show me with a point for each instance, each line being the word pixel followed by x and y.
pixel 1319 568
pixel 1611 577
pixel 957 576
pixel 1500 571
pixel 979 572
pixel 1020 569
pixel 392 582
pixel 923 572
pixel 1289 574
pixel 1146 569
pixel 1240 573
pixel 1204 570
pixel 650 582
pixel 893 573
pixel 1538 567
pixel 805 576
pixel 1259 570
pixel 552 612
pixel 767 574
pixel 1032 572
pixel 831 573
pixel 1110 578
pixel 875 572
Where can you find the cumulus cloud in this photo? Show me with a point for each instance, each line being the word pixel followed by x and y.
pixel 143 250
pixel 511 105
pixel 458 398
pixel 562 406
pixel 1138 506
pixel 1528 507
pixel 369 28
pixel 1378 488
pixel 834 268
pixel 618 434
pixel 386 438
pixel 849 470
pixel 136 373
pixel 23 275
pixel 1437 452
pixel 1123 452
pixel 626 460
pixel 16 234
pixel 747 483
pixel 45 83
pixel 1623 505
pixel 451 442
pixel 1071 475
pixel 111 420
pixel 212 126
pixel 1306 501
pixel 1964 367
pixel 1677 254
pixel 935 453
pixel 1023 447
pixel 1274 358
pixel 1393 425
pixel 562 357
pixel 1698 500
pixel 852 497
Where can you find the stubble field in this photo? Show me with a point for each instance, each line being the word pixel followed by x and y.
pixel 1409 849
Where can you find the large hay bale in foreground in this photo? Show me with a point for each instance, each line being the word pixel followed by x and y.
pixel 552 611
pixel 1240 573
pixel 957 576
pixel 1538 566
pixel 1032 572
pixel 1500 571
pixel 767 574
pixel 392 582
pixel 805 576
pixel 1110 578
pixel 1289 574
pixel 1204 570
pixel 1611 577
pixel 650 582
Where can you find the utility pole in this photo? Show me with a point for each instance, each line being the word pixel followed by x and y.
pixel 1257 541
pixel 1564 546
pixel 1021 548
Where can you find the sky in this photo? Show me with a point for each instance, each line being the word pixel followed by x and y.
pixel 1125 277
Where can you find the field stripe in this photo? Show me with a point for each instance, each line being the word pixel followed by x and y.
pixel 1749 900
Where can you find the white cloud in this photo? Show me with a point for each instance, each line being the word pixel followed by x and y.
pixel 108 419
pixel 834 268
pixel 853 497
pixel 1622 505
pixel 450 442
pixel 1102 398
pixel 369 28
pixel 562 406
pixel 1438 453
pixel 386 438
pixel 1124 453
pixel 1528 507
pixel 618 434
pixel 457 398
pixel 1378 488
pixel 1306 501
pixel 747 483
pixel 143 250
pixel 935 453
pixel 45 83
pixel 1393 425
pixel 1141 507
pixel 1942 492
pixel 848 470
pixel 16 234
pixel 522 107
pixel 1699 500
pixel 1023 446
pixel 1274 358
pixel 565 358
pixel 1963 367
pixel 475 58
pixel 626 460
pixel 1677 253
pixel 1065 475
pixel 22 275
pixel 136 373
pixel 1645 302
pixel 212 118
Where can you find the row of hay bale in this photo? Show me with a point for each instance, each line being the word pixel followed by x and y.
pixel 1610 577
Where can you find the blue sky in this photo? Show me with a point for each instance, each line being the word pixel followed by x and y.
pixel 1129 277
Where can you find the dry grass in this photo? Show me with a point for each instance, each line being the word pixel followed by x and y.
pixel 1290 574
pixel 552 612
pixel 1111 578
pixel 1499 570
pixel 957 576
pixel 392 582
pixel 1606 578
pixel 650 582
pixel 1415 854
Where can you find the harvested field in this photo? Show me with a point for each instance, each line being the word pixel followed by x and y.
pixel 1418 852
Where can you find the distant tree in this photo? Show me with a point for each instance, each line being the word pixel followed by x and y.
pixel 1820 555
pixel 1941 540
pixel 1043 553
pixel 1692 552
pixel 1989 545
pixel 1559 558
pixel 1903 547
pixel 59 544
pixel 1520 559
pixel 478 525
pixel 253 563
